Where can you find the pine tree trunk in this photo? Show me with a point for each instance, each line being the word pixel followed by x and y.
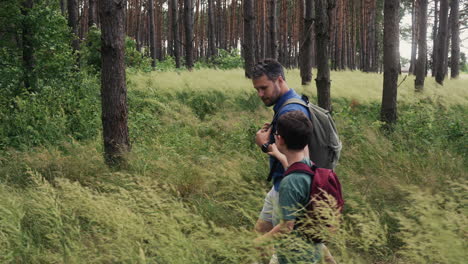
pixel 175 32
pixel 29 77
pixel 323 10
pixel 211 30
pixel 273 34
pixel 188 10
pixel 151 33
pixel 442 42
pixel 113 87
pixel 422 50
pixel 249 37
pixel 414 35
pixel 388 113
pixel 434 38
pixel 455 25
pixel 305 51
pixel 92 14
pixel 72 6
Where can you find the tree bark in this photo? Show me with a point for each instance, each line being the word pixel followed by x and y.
pixel 442 42
pixel 414 35
pixel 273 32
pixel 323 10
pixel 211 30
pixel 152 33
pixel 249 37
pixel 305 50
pixel 188 11
pixel 388 113
pixel 113 87
pixel 72 6
pixel 434 38
pixel 175 32
pixel 29 76
pixel 92 14
pixel 455 25
pixel 422 50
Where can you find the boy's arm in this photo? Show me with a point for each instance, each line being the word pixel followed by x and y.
pixel 284 227
pixel 278 155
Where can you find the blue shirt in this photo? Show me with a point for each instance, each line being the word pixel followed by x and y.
pixel 278 170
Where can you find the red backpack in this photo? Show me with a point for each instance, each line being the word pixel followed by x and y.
pixel 324 183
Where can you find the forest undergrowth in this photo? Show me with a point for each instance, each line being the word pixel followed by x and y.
pixel 195 180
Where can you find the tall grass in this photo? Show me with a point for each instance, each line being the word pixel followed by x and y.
pixel 196 181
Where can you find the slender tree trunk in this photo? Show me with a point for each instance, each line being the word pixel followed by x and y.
pixel 422 50
pixel 388 113
pixel 455 25
pixel 113 87
pixel 442 42
pixel 188 10
pixel 92 16
pixel 273 32
pixel 323 10
pixel 249 37
pixel 305 49
pixel 414 35
pixel 434 38
pixel 72 6
pixel 152 33
pixel 29 76
pixel 211 30
pixel 175 32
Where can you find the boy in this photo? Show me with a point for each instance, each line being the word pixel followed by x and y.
pixel 291 137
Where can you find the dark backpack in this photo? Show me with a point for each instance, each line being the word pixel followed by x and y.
pixel 325 192
pixel 325 145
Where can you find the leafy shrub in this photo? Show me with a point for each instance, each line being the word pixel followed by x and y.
pixel 91 53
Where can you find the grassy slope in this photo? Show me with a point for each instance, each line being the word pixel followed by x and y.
pixel 194 184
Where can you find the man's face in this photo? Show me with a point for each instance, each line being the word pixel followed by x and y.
pixel 267 90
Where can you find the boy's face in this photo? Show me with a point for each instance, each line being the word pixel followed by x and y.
pixel 269 91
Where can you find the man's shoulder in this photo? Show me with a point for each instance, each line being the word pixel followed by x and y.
pixel 293 107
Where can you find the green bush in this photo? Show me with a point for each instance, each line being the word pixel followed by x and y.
pixel 91 53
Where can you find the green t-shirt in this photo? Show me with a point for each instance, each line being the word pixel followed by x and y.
pixel 294 194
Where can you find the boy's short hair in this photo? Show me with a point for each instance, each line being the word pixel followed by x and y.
pixel 295 128
pixel 269 67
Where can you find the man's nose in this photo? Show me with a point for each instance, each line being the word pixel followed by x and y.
pixel 260 93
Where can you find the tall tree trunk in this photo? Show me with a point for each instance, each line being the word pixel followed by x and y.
pixel 175 32
pixel 273 32
pixel 188 10
pixel 388 113
pixel 29 76
pixel 305 49
pixel 434 38
pixel 455 25
pixel 442 42
pixel 72 6
pixel 211 30
pixel 113 87
pixel 323 10
pixel 249 37
pixel 263 38
pixel 92 14
pixel 152 33
pixel 422 50
pixel 414 34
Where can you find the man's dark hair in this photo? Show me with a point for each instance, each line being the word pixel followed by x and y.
pixel 269 67
pixel 295 128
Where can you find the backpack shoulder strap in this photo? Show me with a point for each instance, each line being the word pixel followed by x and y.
pixel 299 167
pixel 288 102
